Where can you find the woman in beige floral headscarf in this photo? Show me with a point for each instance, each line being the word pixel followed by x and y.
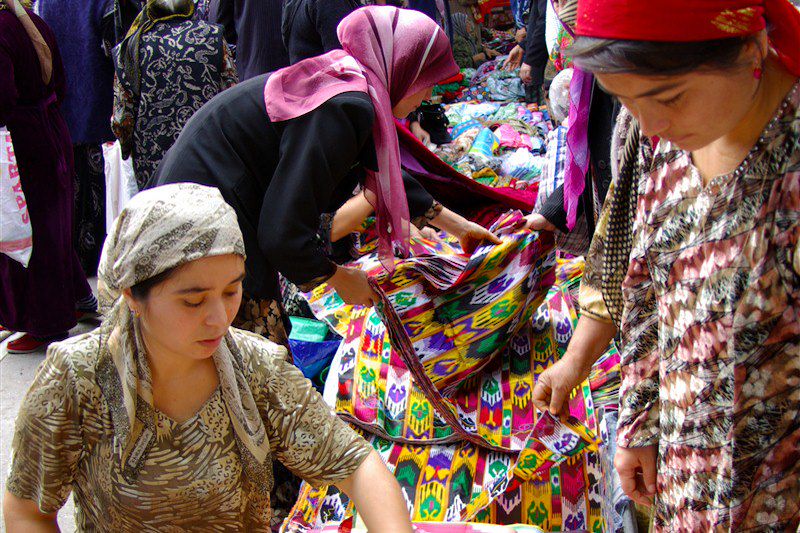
pixel 165 417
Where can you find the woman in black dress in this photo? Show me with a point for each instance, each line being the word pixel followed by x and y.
pixel 325 126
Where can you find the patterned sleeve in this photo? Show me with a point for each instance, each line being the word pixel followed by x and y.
pixel 305 434
pixel 48 439
pixel 639 392
pixel 229 74
pixel 122 117
pixel 591 300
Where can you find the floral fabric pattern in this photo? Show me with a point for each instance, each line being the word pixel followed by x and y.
pixel 182 67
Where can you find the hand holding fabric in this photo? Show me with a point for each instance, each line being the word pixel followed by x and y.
pixel 471 235
pixel 637 472
pixel 536 222
pixel 555 384
pixel 352 286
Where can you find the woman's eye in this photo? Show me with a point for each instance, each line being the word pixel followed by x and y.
pixel 187 303
pixel 231 294
pixel 672 101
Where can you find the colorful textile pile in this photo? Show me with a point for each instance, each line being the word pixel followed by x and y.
pixel 499 145
pixel 439 378
pixel 491 83
pixel 453 88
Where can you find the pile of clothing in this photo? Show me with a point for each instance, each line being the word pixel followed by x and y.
pixel 490 83
pixel 499 145
pixel 438 377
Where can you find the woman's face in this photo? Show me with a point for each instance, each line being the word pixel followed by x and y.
pixel 691 110
pixel 189 314
pixel 410 103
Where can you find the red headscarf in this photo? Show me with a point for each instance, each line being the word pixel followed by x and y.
pixel 390 54
pixel 694 20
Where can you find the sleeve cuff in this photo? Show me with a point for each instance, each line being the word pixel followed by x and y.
pixel 426 218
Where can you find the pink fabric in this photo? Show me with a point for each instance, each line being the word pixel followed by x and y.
pixel 390 54
pixel 577 164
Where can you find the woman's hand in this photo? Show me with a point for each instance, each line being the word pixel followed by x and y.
pixel 471 235
pixel 555 384
pixel 420 133
pixel 535 222
pixel 526 74
pixel 637 472
pixel 514 58
pixel 352 286
pixel 480 57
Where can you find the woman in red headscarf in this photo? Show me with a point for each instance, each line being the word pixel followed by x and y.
pixel 288 151
pixel 709 424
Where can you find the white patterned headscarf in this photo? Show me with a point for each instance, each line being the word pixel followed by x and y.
pixel 161 229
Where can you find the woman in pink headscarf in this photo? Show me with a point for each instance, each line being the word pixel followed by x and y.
pixel 288 151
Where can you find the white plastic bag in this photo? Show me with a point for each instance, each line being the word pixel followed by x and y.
pixel 120 181
pixel 16 235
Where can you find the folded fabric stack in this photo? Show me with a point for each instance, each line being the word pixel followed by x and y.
pixel 438 378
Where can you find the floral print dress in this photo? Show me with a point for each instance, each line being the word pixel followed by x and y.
pixel 711 336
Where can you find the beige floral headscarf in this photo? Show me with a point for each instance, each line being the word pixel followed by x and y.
pixel 158 230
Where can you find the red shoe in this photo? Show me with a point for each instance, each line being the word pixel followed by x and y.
pixel 29 344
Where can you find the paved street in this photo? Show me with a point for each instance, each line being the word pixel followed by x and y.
pixel 16 375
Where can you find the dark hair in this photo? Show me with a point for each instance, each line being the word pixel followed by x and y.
pixel 648 58
pixel 141 291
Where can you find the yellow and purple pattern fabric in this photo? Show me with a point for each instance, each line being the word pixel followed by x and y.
pixel 501 462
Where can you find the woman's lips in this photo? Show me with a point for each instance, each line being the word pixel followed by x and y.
pixel 211 343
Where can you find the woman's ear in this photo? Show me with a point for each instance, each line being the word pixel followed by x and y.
pixel 133 305
pixel 757 49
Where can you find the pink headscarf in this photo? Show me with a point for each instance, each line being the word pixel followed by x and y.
pixel 388 53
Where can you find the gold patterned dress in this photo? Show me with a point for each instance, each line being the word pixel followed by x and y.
pixel 193 476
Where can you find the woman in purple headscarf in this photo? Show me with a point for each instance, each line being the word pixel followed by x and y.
pixel 289 151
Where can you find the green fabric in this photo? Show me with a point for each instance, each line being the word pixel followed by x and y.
pixel 307 329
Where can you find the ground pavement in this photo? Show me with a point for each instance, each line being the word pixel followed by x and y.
pixel 16 375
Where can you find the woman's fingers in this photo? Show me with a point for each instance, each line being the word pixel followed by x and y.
pixel 648 462
pixel 491 237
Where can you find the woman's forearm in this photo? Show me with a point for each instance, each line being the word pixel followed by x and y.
pixel 450 222
pixel 589 341
pixel 23 516
pixel 377 497
pixel 350 216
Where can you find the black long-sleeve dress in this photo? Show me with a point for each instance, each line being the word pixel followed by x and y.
pixel 280 177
